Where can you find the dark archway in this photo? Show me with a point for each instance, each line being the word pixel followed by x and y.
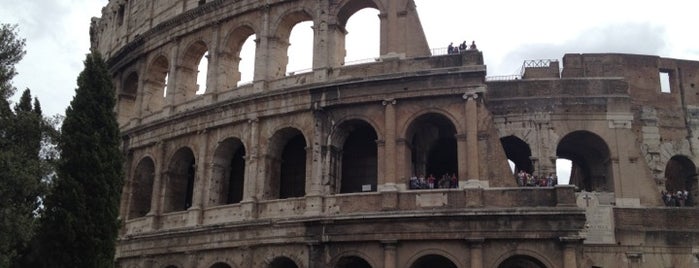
pixel 220 265
pixel 681 175
pixel 433 145
pixel 433 261
pixel 521 261
pixel 142 188
pixel 179 188
pixel 288 164
pixel 359 157
pixel 127 98
pixel 282 262
pixel 591 161
pixel 518 152
pixel 352 262
pixel 228 174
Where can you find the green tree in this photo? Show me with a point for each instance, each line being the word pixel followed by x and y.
pixel 80 222
pixel 21 167
pixel 11 52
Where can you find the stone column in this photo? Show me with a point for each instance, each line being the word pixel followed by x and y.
pixel 570 245
pixel 390 145
pixel 156 201
pixel 462 158
pixel 212 87
pixel 195 212
pixel 316 158
pixel 170 100
pixel 252 172
pixel 138 103
pixel 476 246
pixel 471 110
pixel 389 253
pixel 315 255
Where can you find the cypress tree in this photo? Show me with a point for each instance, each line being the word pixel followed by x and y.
pixel 80 222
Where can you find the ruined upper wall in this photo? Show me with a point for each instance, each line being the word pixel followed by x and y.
pixel 124 22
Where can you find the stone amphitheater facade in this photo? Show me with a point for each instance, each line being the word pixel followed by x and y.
pixel 311 169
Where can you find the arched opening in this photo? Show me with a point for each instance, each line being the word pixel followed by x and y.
pixel 359 157
pixel 521 261
pixel 220 265
pixel 228 173
pixel 237 61
pixel 563 168
pixel 300 51
pixel 282 262
pixel 432 146
pixel 179 188
pixel 202 72
pixel 591 161
pixel 681 175
pixel 288 164
pixel 518 152
pixel 190 71
pixel 155 86
pixel 294 44
pixel 142 188
pixel 433 260
pixel 247 61
pixel 352 262
pixel 362 44
pixel 127 98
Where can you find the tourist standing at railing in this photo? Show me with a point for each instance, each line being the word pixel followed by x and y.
pixel 450 48
pixel 430 181
pixel 473 45
pixel 462 47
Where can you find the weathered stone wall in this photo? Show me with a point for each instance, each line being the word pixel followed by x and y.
pixel 627 140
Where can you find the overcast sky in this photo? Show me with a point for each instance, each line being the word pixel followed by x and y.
pixel 507 32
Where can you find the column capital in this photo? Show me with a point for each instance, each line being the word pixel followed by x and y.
pixel 388 101
pixel 389 244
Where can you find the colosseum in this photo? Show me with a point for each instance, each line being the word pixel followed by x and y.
pixel 327 167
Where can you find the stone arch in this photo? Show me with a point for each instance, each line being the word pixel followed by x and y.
pixel 179 185
pixel 354 148
pixel 352 261
pixel 349 7
pixel 282 262
pixel 681 175
pixel 591 160
pixel 228 172
pixel 155 85
pixel 519 152
pixel 433 260
pixel 284 26
pixel 188 69
pixel 287 164
pixel 127 97
pixel 521 261
pixel 432 148
pixel 142 188
pixel 230 59
pixel 541 259
pixel 220 265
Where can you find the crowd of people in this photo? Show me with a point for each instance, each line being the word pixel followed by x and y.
pixel 525 179
pixel 430 182
pixel 451 49
pixel 675 199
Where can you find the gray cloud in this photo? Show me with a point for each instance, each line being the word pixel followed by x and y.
pixel 632 38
